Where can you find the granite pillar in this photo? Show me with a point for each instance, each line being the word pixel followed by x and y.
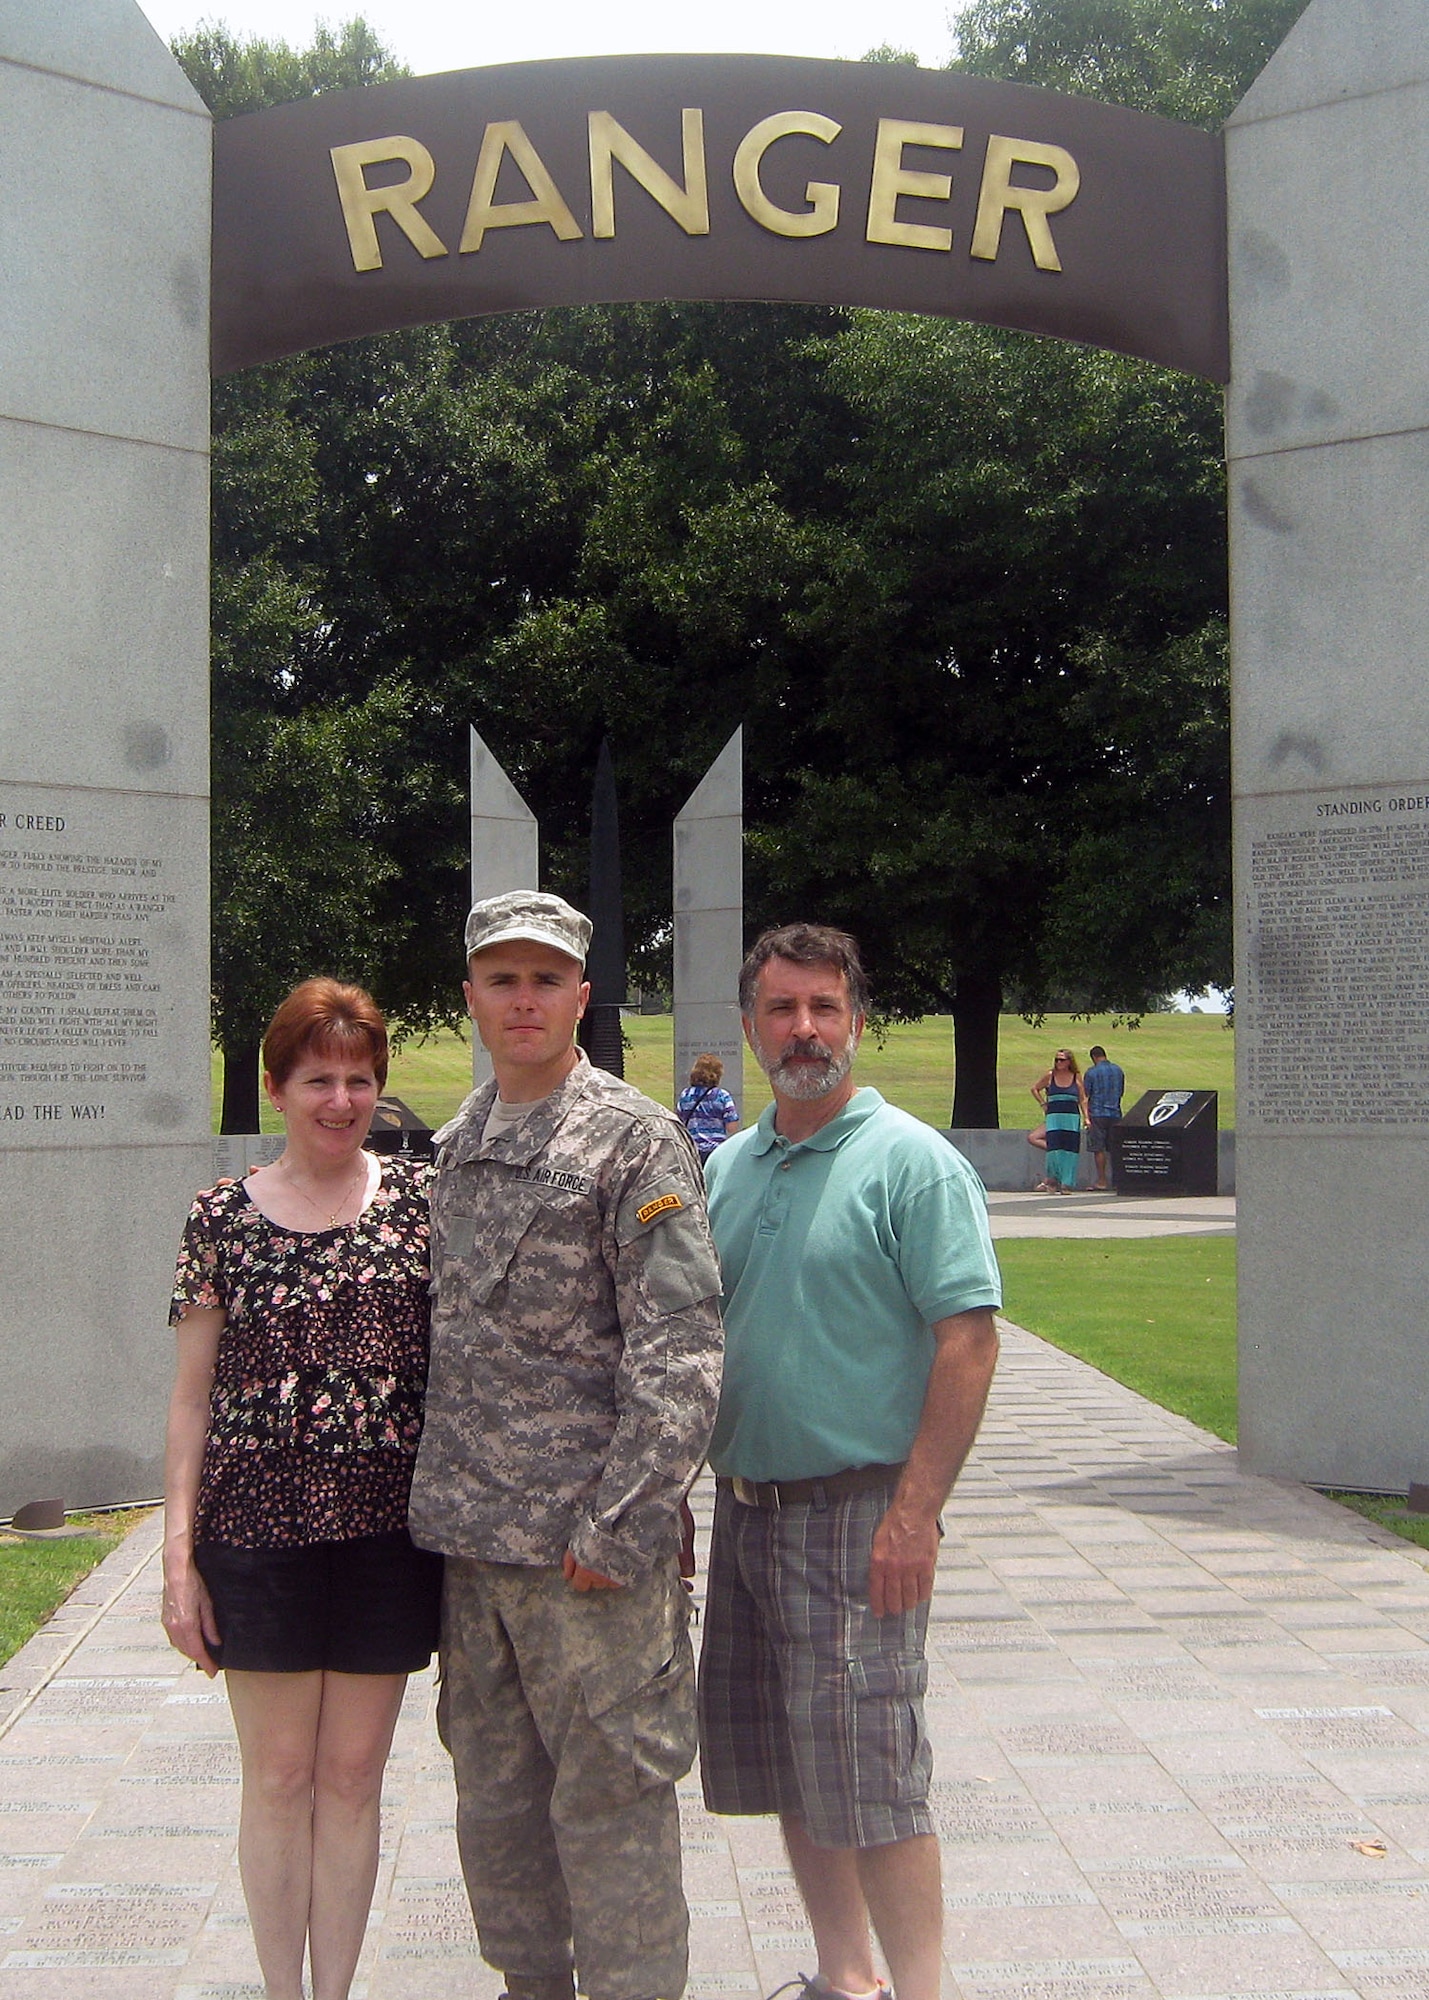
pixel 505 850
pixel 600 1033
pixel 104 1044
pixel 1328 448
pixel 709 920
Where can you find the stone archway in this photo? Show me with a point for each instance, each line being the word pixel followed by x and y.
pixel 702 178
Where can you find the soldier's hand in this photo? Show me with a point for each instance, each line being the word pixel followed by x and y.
pixel 905 1557
pixel 581 1578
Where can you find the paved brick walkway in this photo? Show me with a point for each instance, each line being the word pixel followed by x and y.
pixel 1168 1701
pixel 1086 1213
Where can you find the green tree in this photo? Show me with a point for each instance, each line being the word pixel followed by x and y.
pixel 1014 780
pixel 1187 59
pixel 965 589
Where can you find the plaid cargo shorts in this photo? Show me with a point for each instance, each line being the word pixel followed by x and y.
pixel 809 1705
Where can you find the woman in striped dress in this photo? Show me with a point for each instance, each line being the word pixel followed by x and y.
pixel 1064 1105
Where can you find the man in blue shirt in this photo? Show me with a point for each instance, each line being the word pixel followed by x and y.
pixel 859 1291
pixel 1104 1084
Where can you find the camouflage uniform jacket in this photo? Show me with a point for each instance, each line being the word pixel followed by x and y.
pixel 576 1339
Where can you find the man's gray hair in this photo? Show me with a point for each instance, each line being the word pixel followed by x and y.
pixel 805 944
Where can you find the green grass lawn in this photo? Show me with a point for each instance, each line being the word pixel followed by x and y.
pixel 1157 1314
pixel 913 1068
pixel 37 1577
pixel 1390 1513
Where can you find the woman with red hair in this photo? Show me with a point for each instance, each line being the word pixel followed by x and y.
pixel 301 1310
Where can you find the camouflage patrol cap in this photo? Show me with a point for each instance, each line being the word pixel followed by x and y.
pixel 526 913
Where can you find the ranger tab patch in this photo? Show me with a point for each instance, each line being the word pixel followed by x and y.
pixel 657 1207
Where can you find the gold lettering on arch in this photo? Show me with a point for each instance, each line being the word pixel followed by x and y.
pixel 997 194
pixel 361 204
pixel 822 213
pixel 688 205
pixel 485 212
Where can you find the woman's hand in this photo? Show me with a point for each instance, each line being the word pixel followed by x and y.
pixel 187 1615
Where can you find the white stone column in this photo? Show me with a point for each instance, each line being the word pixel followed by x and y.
pixel 1328 446
pixel 505 850
pixel 104 1006
pixel 709 920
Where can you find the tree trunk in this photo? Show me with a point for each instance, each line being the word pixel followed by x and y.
pixel 240 1088
pixel 977 1004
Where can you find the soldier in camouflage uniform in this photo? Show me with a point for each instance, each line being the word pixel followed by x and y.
pixel 574 1378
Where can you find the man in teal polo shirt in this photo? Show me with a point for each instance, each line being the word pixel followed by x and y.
pixel 859 1291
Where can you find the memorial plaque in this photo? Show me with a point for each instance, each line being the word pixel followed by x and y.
pixel 1159 1681
pixel 224 1989
pixel 1391 1959
pixel 97 899
pixel 1190 1926
pixel 1302 1833
pixel 1056 1979
pixel 1003 1635
pixel 1160 1895
pixel 1286 1789
pixel 1016 1899
pixel 1113 1808
pixel 1167 1145
pixel 63 1757
pixel 128 1699
pixel 205 1760
pixel 1334 1032
pixel 1194 1629
pixel 10 1807
pixel 92 1924
pixel 975 1815
pixel 1371 1885
pixel 1344 1728
pixel 1072 1739
pixel 429 1918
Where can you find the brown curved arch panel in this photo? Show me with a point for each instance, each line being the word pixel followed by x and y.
pixel 717 177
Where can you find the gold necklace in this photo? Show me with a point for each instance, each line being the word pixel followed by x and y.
pixel 316 1206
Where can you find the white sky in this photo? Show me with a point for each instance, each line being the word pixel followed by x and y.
pixel 460 34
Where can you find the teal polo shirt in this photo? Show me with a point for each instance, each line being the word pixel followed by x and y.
pixel 837 1255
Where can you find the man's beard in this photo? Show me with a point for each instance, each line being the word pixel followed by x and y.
pixel 806 1080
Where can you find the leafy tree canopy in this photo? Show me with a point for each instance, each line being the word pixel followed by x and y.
pixel 966 591
pixel 1187 59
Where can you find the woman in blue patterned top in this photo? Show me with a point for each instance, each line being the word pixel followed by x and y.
pixel 706 1110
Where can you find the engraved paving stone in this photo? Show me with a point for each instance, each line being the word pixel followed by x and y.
pixel 111 1924
pixel 974 1814
pixel 124 1698
pixel 1360 1728
pixel 429 1918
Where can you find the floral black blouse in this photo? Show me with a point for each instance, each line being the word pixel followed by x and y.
pixel 316 1408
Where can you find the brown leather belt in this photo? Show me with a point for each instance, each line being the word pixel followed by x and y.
pixel 777 1493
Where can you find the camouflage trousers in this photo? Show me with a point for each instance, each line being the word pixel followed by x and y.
pixel 569 1717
